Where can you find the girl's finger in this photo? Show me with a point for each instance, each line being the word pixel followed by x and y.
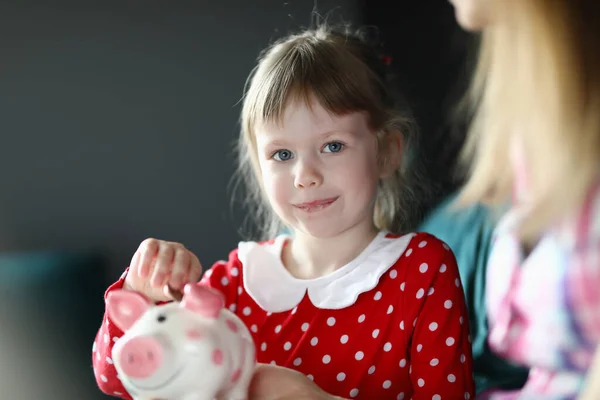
pixel 162 266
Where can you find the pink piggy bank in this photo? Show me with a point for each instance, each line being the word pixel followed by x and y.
pixel 192 350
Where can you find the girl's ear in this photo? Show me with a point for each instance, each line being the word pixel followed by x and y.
pixel 390 153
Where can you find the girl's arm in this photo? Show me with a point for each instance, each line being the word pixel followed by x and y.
pixel 440 347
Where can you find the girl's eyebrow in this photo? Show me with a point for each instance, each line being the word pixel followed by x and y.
pixel 276 143
pixel 277 140
pixel 339 132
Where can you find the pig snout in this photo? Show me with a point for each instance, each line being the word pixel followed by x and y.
pixel 141 357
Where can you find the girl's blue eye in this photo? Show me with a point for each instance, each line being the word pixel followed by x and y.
pixel 282 155
pixel 334 147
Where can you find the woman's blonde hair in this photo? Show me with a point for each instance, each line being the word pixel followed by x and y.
pixel 344 74
pixel 537 81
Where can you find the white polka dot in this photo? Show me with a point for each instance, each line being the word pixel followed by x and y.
pixel 419 348
pixel 463 358
pixel 254 328
pixel 402 363
pixel 375 333
pixel 273 362
pixel 341 376
pixel 390 309
pixel 451 378
pixel 98 356
pixel 443 268
pixel 115 339
pixel 331 321
pixel 377 296
pixel 278 329
pixel 430 291
pixel 402 325
pixel 433 326
pixel 304 327
pixel 371 370
pixel 423 268
pixel 208 273
pixel 94 346
pixel 294 310
pixel 240 290
pixel 421 382
pixel 449 341
pixel 103 378
pixel 408 252
pixel 235 271
pixel 393 274
pixel 387 346
pixel 457 282
pixel 400 396
pixel 359 355
pixel 423 244
pixel 297 361
pixel 434 362
pixel 448 304
pixel 326 359
pixel 361 318
pixel 109 360
pixel 224 281
pixel 402 286
pixel 467 396
pixel 263 346
pixel 344 339
pixel 354 393
pixel 105 338
pixel 420 293
pixel 461 320
pixel 287 346
pixel 387 384
pixel 436 397
pixel 233 307
pixel 247 311
pixel 314 341
pixel 312 378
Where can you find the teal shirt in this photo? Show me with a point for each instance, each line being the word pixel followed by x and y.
pixel 468 232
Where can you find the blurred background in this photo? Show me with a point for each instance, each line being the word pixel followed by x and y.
pixel 118 119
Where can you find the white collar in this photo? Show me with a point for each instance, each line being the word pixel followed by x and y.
pixel 274 289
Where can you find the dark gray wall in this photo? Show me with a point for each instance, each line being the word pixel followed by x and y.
pixel 117 119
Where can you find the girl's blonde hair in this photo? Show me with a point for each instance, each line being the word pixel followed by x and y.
pixel 537 81
pixel 344 74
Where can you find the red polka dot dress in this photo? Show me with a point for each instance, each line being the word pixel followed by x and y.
pixel 391 324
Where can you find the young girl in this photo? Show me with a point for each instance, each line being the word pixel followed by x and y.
pixel 536 138
pixel 345 299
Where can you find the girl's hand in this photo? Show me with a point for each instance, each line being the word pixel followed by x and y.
pixel 271 382
pixel 160 269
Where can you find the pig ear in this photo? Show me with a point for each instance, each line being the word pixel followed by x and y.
pixel 202 300
pixel 124 307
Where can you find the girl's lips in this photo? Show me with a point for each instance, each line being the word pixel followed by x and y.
pixel 320 204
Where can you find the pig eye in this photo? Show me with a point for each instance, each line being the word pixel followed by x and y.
pixel 161 318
